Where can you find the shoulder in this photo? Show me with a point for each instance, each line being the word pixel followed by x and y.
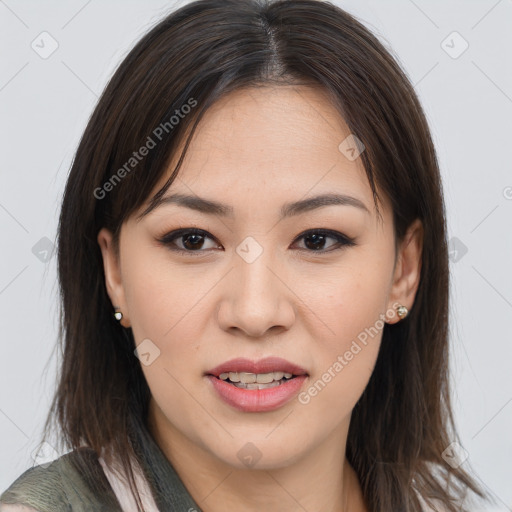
pixel 75 479
pixel 34 487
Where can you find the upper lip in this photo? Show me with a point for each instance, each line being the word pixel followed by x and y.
pixel 266 365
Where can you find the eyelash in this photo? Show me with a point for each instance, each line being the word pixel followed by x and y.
pixel 168 239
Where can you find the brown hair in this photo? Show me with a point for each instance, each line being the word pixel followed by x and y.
pixel 197 54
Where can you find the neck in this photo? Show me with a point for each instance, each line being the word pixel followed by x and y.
pixel 321 480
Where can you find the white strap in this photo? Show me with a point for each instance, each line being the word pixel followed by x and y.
pixel 122 490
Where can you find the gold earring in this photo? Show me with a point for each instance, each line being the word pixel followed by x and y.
pixel 401 311
pixel 118 315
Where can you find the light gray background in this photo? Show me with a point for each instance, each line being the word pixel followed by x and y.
pixel 45 104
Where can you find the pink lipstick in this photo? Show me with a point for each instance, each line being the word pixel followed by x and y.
pixel 257 386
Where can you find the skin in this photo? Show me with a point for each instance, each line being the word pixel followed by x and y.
pixel 255 150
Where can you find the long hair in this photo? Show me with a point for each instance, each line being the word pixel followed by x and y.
pixel 197 54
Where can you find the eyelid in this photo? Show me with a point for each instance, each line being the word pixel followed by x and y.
pixel 167 238
pixel 340 238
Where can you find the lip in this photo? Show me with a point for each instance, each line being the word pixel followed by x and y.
pixel 266 365
pixel 257 400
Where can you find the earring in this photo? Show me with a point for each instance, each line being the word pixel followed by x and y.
pixel 401 311
pixel 118 315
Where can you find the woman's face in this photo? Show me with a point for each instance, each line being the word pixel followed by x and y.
pixel 251 286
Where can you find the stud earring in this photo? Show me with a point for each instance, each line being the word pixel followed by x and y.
pixel 401 311
pixel 118 315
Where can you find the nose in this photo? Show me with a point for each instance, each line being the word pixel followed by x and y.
pixel 256 298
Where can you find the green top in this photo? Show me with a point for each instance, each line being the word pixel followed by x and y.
pixel 61 487
pixel 64 486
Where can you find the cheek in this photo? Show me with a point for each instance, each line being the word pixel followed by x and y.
pixel 164 300
pixel 348 301
pixel 166 308
pixel 351 308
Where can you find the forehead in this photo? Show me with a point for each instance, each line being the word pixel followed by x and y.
pixel 257 145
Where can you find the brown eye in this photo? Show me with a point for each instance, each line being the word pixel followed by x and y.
pixel 186 240
pixel 193 241
pixel 315 240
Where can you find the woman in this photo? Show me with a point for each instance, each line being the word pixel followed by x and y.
pixel 254 276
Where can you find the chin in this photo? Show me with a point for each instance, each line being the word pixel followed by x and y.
pixel 255 455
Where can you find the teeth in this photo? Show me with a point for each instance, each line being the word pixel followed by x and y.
pixel 247 378
pixel 255 385
pixel 265 378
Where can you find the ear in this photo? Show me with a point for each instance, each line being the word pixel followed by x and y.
pixel 406 276
pixel 113 280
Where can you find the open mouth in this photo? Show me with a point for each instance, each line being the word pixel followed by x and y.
pixel 246 380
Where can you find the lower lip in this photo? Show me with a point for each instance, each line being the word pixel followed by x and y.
pixel 257 400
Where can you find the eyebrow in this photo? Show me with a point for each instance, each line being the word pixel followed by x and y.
pixel 210 207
